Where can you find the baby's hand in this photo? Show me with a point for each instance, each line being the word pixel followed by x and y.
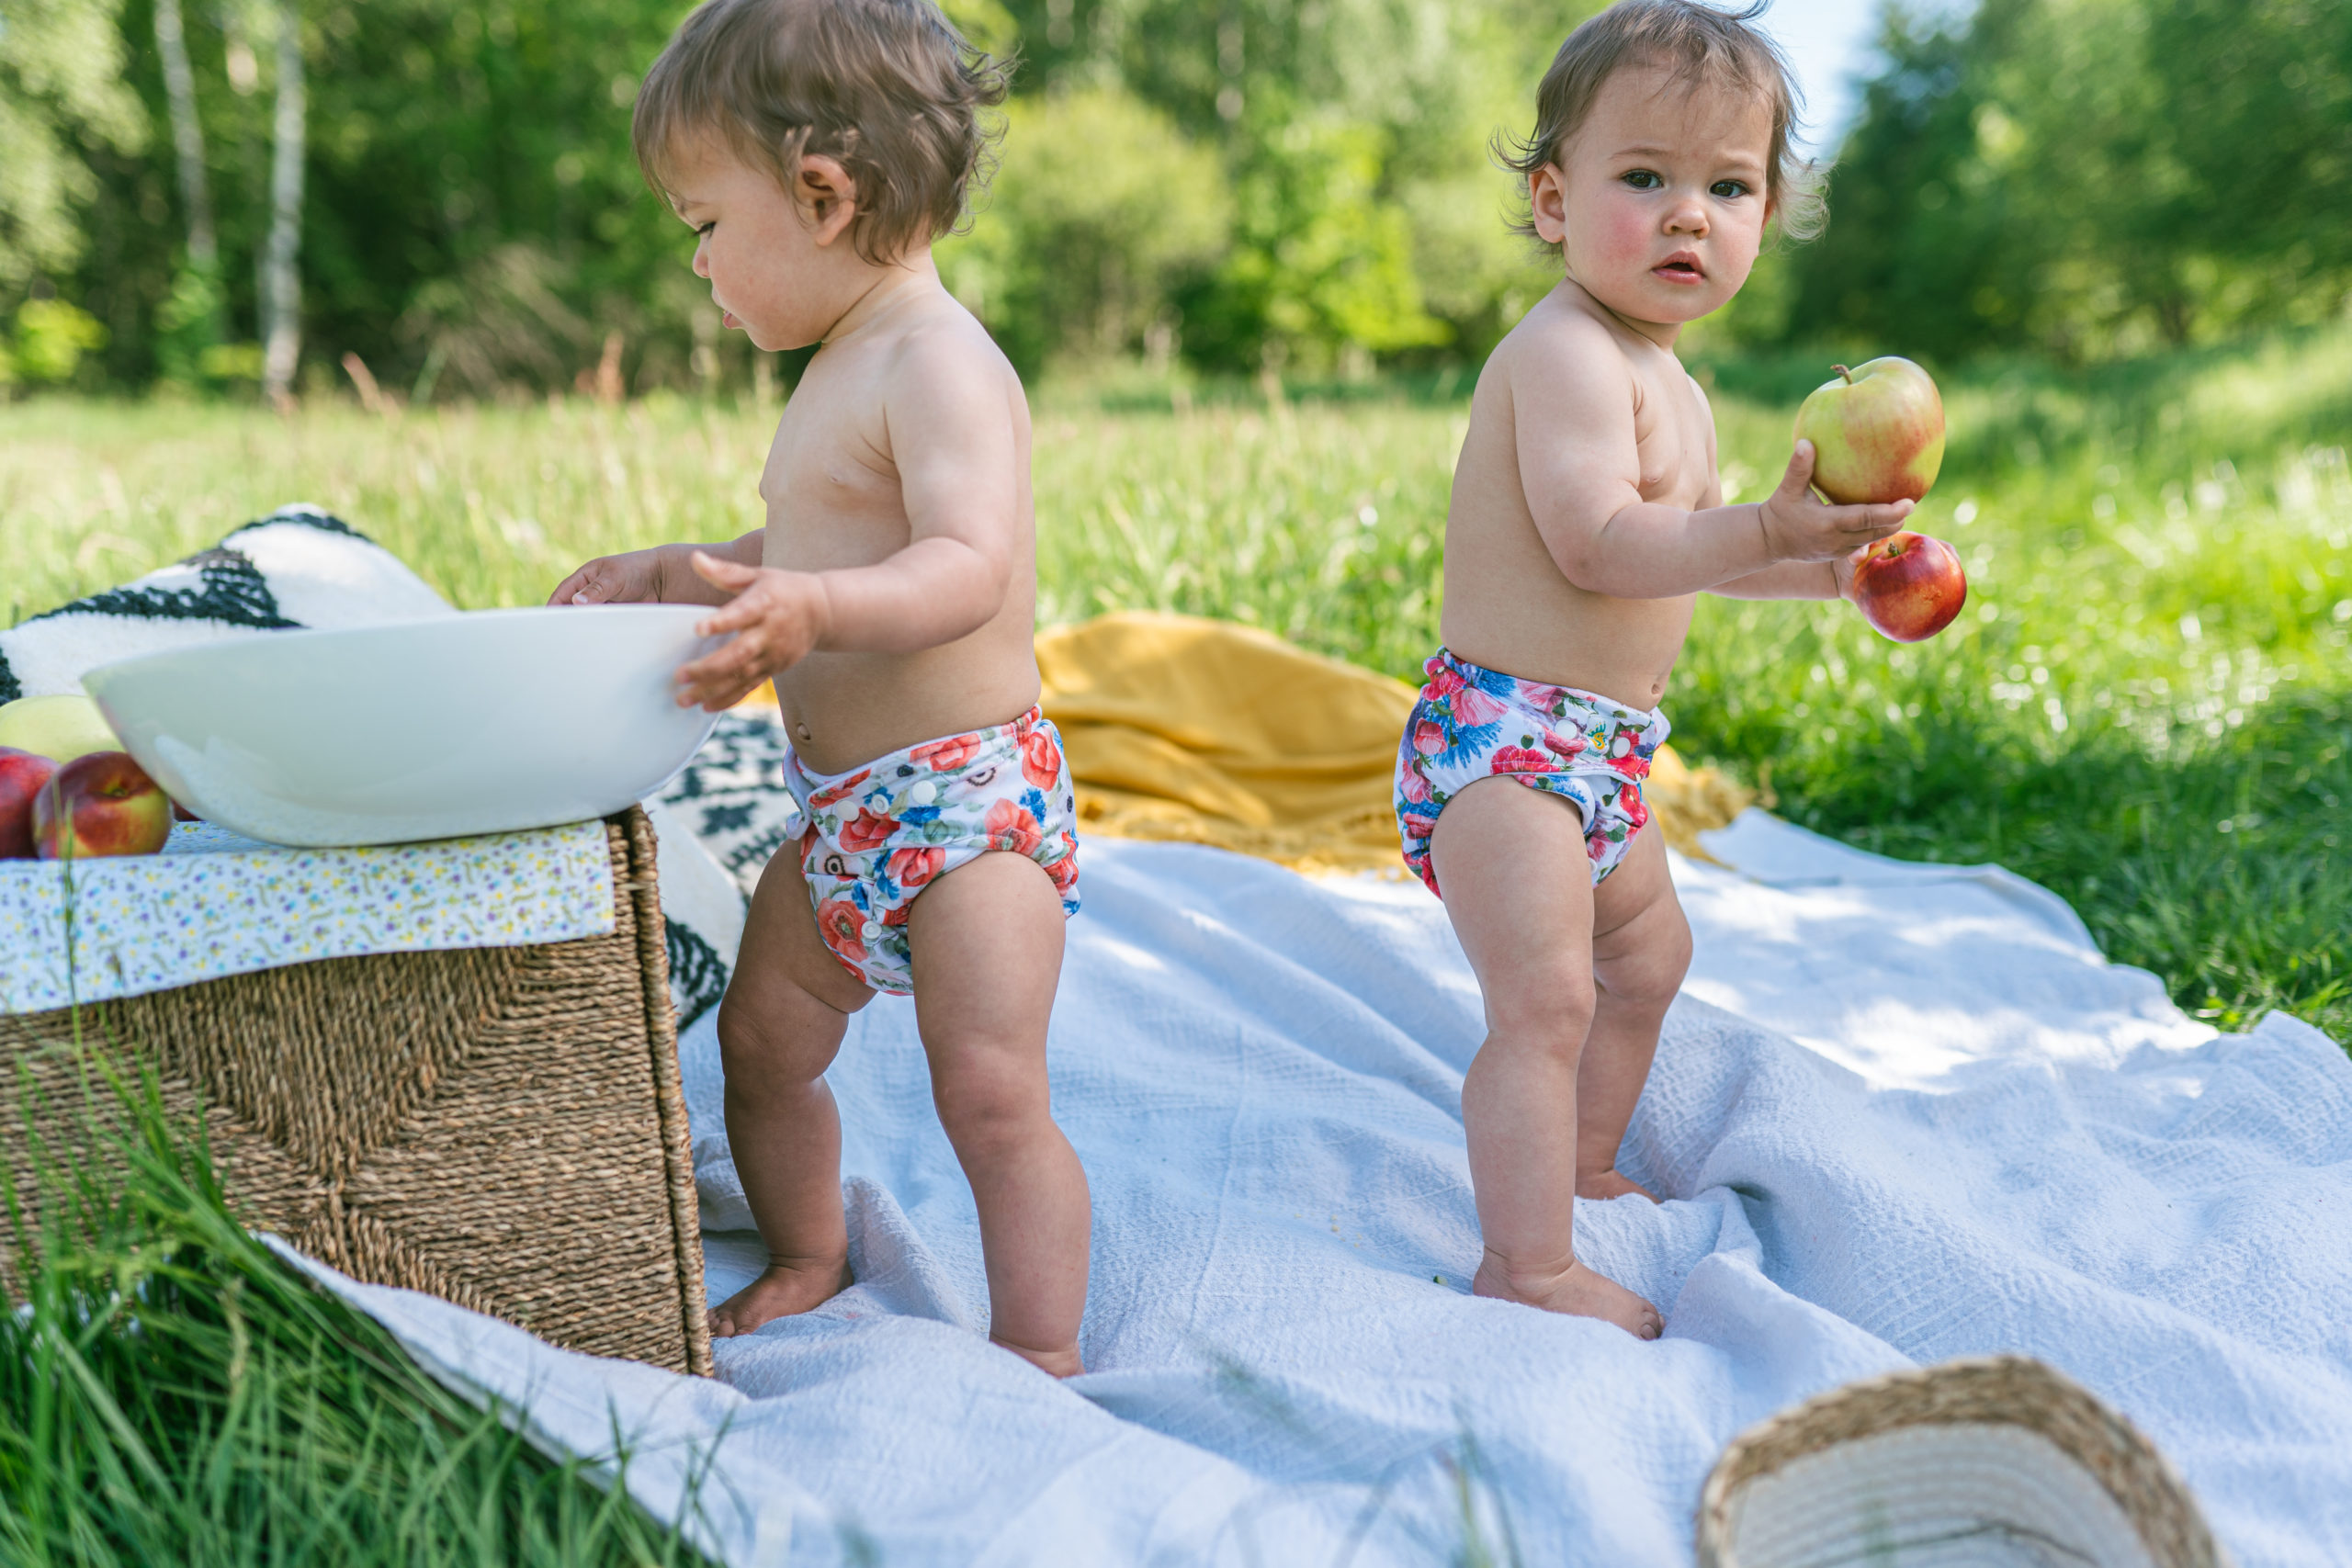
pixel 631 579
pixel 1798 525
pixel 776 616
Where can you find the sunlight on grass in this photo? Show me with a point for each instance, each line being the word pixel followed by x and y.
pixel 2146 705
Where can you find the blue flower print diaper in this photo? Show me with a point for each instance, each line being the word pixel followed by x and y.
pixel 1472 724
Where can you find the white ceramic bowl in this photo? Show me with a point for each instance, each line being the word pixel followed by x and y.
pixel 479 723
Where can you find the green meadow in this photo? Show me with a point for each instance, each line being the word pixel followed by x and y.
pixel 2146 706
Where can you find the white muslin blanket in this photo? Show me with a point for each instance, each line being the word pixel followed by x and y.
pixel 1902 1113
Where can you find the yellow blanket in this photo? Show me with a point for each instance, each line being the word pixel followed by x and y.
pixel 1218 734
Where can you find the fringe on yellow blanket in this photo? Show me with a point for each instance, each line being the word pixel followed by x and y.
pixel 1211 733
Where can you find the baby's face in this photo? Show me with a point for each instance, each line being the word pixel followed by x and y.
pixel 1658 199
pixel 776 267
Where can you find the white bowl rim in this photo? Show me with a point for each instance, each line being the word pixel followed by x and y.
pixel 283 635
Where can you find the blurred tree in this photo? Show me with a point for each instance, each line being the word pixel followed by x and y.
pixel 281 284
pixel 2090 177
pixel 60 91
pixel 1368 220
pixel 1100 211
pixel 190 322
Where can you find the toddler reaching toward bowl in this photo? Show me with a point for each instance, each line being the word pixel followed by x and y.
pixel 816 148
pixel 1586 517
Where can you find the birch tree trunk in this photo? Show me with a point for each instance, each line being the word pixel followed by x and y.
pixel 281 285
pixel 188 137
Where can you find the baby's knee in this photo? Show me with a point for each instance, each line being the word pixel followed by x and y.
pixel 779 1035
pixel 1551 1016
pixel 989 1110
pixel 1650 975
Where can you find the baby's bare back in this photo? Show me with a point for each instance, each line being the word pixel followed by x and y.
pixel 835 499
pixel 1573 415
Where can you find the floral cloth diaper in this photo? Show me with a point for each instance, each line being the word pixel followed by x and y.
pixel 1472 724
pixel 874 838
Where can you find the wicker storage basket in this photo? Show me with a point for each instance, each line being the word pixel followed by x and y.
pixel 1993 1462
pixel 501 1127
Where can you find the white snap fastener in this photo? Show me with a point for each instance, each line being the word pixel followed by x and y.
pixel 924 793
pixel 870 929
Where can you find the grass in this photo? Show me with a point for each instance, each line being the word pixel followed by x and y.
pixel 172 1392
pixel 2147 706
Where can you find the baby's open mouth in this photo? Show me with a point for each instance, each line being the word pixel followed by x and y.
pixel 1683 269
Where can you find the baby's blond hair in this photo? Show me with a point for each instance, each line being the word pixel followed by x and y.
pixel 1696 44
pixel 888 87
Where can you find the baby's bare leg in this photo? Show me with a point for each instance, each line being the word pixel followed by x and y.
pixel 783 1018
pixel 988 949
pixel 1518 889
pixel 1641 948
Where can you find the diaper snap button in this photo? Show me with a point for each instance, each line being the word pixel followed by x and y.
pixel 924 792
pixel 870 929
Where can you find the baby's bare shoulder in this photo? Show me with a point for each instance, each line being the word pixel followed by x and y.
pixel 944 346
pixel 1561 360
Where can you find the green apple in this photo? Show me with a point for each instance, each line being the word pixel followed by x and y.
pixel 1877 432
pixel 59 727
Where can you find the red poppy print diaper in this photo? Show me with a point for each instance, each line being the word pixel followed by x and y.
pixel 1473 724
pixel 874 838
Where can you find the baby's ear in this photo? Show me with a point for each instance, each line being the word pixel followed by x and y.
pixel 1547 203
pixel 827 193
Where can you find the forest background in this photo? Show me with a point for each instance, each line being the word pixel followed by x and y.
pixel 1205 186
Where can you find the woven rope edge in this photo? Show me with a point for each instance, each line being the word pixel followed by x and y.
pixel 643 888
pixel 1994 1390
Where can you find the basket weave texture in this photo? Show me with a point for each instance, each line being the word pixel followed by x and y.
pixel 2011 1392
pixel 500 1127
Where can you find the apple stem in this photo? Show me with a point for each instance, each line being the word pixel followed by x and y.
pixel 1846 373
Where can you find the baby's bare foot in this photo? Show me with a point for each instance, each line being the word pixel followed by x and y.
pixel 783 1289
pixel 1576 1290
pixel 1062 1363
pixel 1608 1184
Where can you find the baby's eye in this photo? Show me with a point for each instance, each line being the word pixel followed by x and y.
pixel 1642 179
pixel 1728 189
pixel 704 229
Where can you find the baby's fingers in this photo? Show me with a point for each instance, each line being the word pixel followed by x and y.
pixel 582 587
pixel 722 573
pixel 1866 524
pixel 1798 480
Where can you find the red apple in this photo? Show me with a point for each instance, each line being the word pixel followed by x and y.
pixel 1909 586
pixel 103 803
pixel 1877 432
pixel 21 775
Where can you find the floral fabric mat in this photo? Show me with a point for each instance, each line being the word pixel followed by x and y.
pixel 215 903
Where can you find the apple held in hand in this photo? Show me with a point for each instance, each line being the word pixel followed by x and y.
pixel 1909 586
pixel 102 803
pixel 1877 432
pixel 21 775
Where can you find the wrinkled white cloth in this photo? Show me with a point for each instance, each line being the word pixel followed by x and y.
pixel 1903 1114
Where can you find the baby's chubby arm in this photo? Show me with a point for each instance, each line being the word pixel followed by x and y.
pixel 952 442
pixel 663 574
pixel 1580 469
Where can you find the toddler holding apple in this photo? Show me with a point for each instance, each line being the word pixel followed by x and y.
pixel 816 148
pixel 1586 517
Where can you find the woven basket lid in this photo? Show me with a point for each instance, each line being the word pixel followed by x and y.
pixel 1986 1463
